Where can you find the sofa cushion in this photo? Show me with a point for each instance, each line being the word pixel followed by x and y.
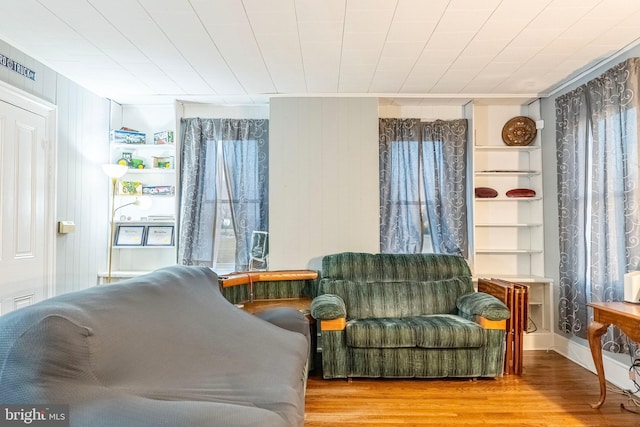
pixel 382 332
pixel 435 331
pixel 365 267
pixel 448 331
pixel 398 299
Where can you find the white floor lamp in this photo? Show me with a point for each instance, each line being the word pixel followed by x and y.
pixel 115 172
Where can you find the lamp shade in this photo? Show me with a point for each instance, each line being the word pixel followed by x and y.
pixel 144 202
pixel 114 171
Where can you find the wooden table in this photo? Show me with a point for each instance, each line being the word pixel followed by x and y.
pixel 624 315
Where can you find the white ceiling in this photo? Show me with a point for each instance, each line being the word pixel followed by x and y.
pixel 243 51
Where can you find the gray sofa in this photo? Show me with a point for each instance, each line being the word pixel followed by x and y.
pixel 164 349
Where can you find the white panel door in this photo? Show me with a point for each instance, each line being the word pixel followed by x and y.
pixel 23 202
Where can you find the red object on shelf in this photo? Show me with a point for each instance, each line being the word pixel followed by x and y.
pixel 485 192
pixel 521 192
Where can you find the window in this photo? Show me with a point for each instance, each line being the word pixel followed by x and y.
pixel 224 191
pixel 423 186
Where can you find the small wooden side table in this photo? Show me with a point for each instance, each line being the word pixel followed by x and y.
pixel 624 315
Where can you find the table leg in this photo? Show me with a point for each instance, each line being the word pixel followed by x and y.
pixel 595 332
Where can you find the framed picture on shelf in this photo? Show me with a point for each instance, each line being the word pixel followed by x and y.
pixel 129 235
pixel 159 235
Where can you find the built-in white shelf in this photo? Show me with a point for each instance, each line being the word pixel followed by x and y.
pixel 508 199
pixel 151 171
pixel 154 147
pixel 141 247
pixel 508 251
pixel 508 232
pixel 525 148
pixel 515 278
pixel 508 173
pixel 134 260
pixel 507 224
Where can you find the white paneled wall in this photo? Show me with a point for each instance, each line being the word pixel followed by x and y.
pixel 323 179
pixel 83 146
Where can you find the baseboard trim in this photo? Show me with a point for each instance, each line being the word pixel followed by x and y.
pixel 615 371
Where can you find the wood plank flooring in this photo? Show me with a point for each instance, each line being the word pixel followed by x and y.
pixel 553 391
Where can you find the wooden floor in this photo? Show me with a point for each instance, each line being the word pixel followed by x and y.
pixel 553 391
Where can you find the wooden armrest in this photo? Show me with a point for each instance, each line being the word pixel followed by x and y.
pixel 242 278
pixel 491 324
pixel 333 325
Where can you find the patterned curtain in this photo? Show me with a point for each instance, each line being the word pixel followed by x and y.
pixel 244 151
pixel 444 174
pixel 423 186
pixel 400 203
pixel 246 160
pixel 197 203
pixel 597 153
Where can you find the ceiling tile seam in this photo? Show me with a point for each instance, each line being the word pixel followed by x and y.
pixel 129 40
pixel 426 43
pixel 204 28
pixel 160 28
pixel 503 49
pixel 592 69
pixel 255 39
pixel 386 37
pixel 568 80
pixel 344 23
pixel 89 41
pixel 304 71
pixel 467 45
pixel 523 65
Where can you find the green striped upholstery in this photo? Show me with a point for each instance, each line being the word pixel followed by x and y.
pixel 328 307
pixel 271 290
pixel 364 267
pixel 418 363
pixel 436 331
pixel 481 304
pixel 397 299
pixel 408 315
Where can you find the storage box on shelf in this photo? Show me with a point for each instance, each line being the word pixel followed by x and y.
pixel 508 232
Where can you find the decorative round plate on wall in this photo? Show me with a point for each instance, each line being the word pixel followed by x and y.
pixel 519 130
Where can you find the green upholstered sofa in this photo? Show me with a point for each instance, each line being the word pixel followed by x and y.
pixel 406 315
